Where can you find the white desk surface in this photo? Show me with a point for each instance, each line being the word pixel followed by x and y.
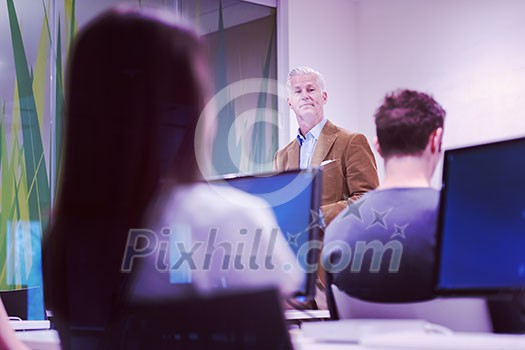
pixel 306 314
pixel 48 340
pixel 397 335
pixel 410 341
pixel 40 340
pixel 300 342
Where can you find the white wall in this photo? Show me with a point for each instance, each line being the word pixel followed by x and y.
pixel 322 35
pixel 470 54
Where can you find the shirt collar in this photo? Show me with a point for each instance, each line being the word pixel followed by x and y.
pixel 315 132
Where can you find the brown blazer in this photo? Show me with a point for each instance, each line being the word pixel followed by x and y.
pixel 353 172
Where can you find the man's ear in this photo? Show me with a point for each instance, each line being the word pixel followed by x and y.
pixel 378 146
pixel 325 97
pixel 289 102
pixel 436 139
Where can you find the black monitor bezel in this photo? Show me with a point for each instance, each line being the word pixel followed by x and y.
pixel 314 234
pixel 475 291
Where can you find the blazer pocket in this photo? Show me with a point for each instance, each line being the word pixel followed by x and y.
pixel 332 182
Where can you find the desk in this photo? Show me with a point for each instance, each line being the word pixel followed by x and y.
pixel 397 335
pixel 399 340
pixel 292 315
pixel 300 342
pixel 48 340
pixel 408 341
pixel 40 340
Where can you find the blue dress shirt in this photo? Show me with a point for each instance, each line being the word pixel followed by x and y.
pixel 307 144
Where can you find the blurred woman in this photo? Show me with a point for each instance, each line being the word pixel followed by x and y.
pixel 134 95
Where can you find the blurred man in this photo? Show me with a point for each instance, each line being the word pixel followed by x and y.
pixel 381 248
pixel 350 168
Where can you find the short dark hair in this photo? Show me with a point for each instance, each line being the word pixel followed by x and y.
pixel 405 120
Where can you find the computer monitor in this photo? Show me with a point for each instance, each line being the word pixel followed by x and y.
pixel 21 288
pixel 481 230
pixel 295 198
pixel 223 320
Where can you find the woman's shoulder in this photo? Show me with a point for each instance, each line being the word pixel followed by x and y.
pixel 214 201
pixel 222 196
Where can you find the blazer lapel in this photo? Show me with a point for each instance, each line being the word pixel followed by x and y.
pixel 293 156
pixel 324 143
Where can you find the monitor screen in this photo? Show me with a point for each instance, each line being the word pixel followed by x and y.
pixel 481 233
pixel 21 286
pixel 295 198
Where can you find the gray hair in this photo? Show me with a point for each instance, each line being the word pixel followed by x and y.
pixel 302 70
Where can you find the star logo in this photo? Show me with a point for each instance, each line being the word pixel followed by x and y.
pixel 317 220
pixel 400 231
pixel 354 209
pixel 292 238
pixel 379 218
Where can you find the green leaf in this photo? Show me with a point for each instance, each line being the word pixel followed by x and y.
pixel 59 95
pixel 46 20
pixel 38 184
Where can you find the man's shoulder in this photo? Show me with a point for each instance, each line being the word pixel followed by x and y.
pixel 377 208
pixel 427 198
pixel 331 128
pixel 285 149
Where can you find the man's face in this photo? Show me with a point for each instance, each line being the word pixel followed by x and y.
pixel 306 98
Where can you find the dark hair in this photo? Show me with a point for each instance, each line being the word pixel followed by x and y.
pixel 133 98
pixel 405 121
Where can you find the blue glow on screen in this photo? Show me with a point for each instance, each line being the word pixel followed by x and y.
pixel 24 265
pixel 483 237
pixel 294 215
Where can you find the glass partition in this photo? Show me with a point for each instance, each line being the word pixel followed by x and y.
pixel 240 41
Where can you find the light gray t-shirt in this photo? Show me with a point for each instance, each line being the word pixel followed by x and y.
pixel 381 248
pixel 212 238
